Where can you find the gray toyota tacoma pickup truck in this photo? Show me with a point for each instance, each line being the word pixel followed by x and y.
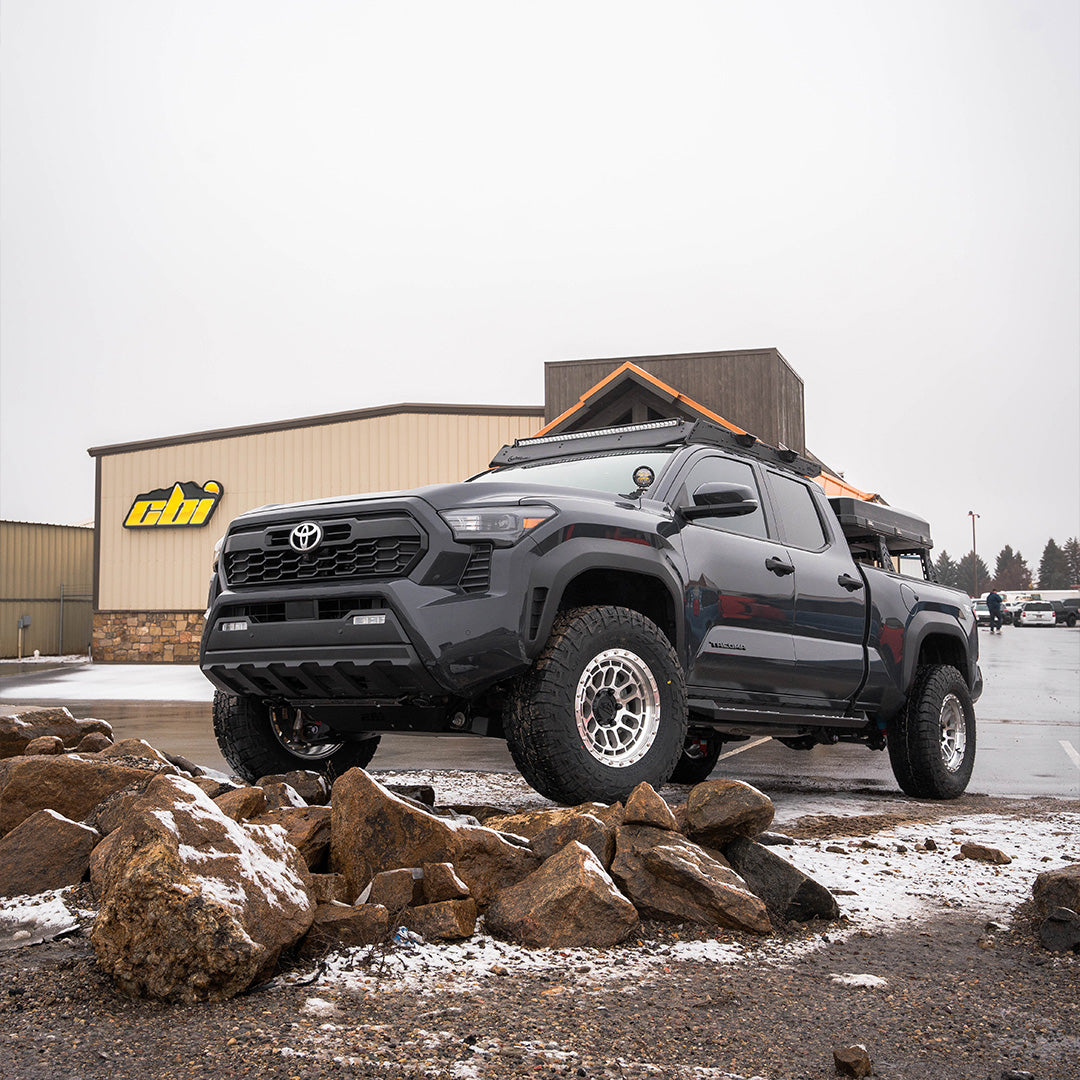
pixel 617 605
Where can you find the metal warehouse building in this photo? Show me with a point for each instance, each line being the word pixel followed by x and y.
pixel 161 504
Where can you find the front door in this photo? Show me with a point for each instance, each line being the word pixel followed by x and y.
pixel 739 602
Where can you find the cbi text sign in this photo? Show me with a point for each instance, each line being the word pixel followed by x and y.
pixel 183 506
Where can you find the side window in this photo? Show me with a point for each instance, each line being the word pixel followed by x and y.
pixel 719 470
pixel 800 525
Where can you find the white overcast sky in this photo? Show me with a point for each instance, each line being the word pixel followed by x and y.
pixel 222 213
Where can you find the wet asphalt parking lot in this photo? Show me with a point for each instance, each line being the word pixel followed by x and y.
pixel 1028 725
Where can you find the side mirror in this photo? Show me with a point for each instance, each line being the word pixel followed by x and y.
pixel 721 500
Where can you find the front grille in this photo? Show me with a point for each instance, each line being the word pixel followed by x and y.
pixel 477 573
pixel 351 549
pixel 333 609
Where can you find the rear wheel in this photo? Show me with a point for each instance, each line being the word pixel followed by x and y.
pixel 932 743
pixel 601 710
pixel 698 759
pixel 257 741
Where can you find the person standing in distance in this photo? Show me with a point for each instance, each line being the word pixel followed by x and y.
pixel 993 602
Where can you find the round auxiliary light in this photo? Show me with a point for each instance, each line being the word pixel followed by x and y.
pixel 644 477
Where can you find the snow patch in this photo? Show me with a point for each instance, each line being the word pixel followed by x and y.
pixel 28 920
pixel 870 982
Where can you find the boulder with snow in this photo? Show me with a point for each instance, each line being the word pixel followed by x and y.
pixel 786 890
pixel 569 901
pixel 69 784
pixel 312 787
pixel 440 882
pixel 44 744
pixel 719 810
pixel 195 906
pixel 46 851
pixel 395 889
pixel 129 749
pixel 530 823
pixel 307 828
pixel 20 727
pixel 668 877
pixel 373 830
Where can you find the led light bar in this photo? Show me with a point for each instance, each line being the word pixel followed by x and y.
pixel 653 425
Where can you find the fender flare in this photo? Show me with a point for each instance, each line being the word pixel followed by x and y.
pixel 560 567
pixel 922 625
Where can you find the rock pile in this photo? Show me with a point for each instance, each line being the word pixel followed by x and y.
pixel 201 885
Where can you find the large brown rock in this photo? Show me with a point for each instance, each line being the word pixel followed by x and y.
pixel 46 851
pixel 529 823
pixel 134 748
pixel 307 828
pixel 569 901
pixel 1059 888
pixel 719 810
pixel 345 926
pixel 70 785
pixel 395 889
pixel 310 786
pixel 645 807
pixel 194 906
pixel 585 828
pixel 241 803
pixel 44 744
pixel 446 920
pixel 668 877
pixel 440 883
pixel 373 830
pixel 786 890
pixel 19 728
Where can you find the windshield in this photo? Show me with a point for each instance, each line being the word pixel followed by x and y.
pixel 609 472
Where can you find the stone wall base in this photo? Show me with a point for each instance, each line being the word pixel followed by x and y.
pixel 146 637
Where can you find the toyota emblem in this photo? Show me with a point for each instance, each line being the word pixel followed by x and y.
pixel 306 536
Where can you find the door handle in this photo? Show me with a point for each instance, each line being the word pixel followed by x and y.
pixel 848 582
pixel 779 567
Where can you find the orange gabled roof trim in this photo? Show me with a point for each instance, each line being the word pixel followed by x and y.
pixel 832 485
pixel 689 402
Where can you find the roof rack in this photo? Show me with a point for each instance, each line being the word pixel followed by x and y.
pixel 655 433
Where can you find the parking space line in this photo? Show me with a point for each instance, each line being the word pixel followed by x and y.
pixel 1071 751
pixel 758 742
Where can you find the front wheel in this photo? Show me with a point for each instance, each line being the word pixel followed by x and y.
pixel 257 741
pixel 601 710
pixel 932 742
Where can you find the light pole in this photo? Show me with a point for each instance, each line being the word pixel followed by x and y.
pixel 974 558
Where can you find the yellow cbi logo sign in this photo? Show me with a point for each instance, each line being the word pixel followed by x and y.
pixel 183 506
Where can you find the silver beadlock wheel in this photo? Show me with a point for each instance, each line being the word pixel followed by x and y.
pixel 617 708
pixel 953 733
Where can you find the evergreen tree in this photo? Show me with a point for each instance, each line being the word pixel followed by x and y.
pixel 1012 571
pixel 1071 548
pixel 972 574
pixel 1053 567
pixel 945 571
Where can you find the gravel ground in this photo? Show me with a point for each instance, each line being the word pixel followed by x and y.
pixel 954 996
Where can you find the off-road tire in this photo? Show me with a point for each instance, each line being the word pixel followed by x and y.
pixel 248 743
pixel 541 720
pixel 917 749
pixel 695 763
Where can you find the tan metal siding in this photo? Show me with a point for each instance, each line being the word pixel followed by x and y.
pixel 168 569
pixel 35 561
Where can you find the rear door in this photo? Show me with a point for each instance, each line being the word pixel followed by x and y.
pixel 739 601
pixel 830 597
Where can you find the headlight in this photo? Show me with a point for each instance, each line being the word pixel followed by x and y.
pixel 499 524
